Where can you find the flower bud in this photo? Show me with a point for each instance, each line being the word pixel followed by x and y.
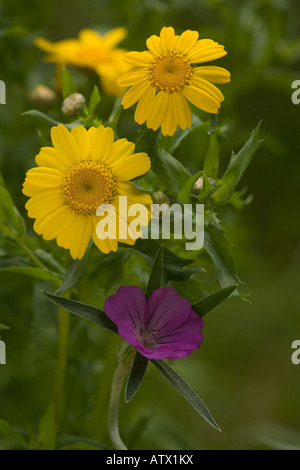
pixel 160 198
pixel 42 96
pixel 198 186
pixel 73 105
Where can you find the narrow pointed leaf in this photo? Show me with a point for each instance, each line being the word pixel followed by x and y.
pixel 84 311
pixel 211 162
pixel 136 375
pixel 68 86
pixel 94 100
pixel 74 272
pixel 213 123
pixel 186 391
pixel 155 278
pixel 203 306
pixel 185 194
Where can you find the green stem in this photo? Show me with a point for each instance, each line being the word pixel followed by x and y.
pixel 62 358
pixel 30 255
pixel 113 425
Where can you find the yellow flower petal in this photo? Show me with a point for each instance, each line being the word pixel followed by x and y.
pixel 206 50
pixel 44 202
pixel 154 45
pixel 208 87
pixel 144 106
pixel 38 179
pixel 106 246
pixel 182 111
pixel 121 148
pixel 169 124
pixel 132 78
pixel 82 228
pixel 201 99
pixel 131 167
pixel 48 157
pixel 134 94
pixel 168 40
pixel 56 222
pixel 101 141
pixel 115 36
pixel 136 195
pixel 65 145
pixel 212 73
pixel 159 109
pixel 81 138
pixel 134 58
pixel 187 41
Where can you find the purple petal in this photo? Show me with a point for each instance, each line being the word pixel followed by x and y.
pixel 127 308
pixel 167 310
pixel 187 337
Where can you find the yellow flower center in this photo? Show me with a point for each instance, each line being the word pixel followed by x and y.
pixel 88 185
pixel 170 72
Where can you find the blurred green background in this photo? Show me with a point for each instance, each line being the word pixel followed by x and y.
pixel 243 370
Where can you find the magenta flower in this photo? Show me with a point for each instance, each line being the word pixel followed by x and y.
pixel 164 326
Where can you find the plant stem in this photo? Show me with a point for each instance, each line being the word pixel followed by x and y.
pixel 30 255
pixel 113 425
pixel 62 357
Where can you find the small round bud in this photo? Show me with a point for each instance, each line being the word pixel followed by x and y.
pixel 42 96
pixel 160 198
pixel 198 186
pixel 73 105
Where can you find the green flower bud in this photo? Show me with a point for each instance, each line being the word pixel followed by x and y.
pixel 160 198
pixel 198 186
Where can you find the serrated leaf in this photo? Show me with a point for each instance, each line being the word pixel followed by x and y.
pixel 218 248
pixel 47 430
pixel 236 168
pixel 211 162
pixel 185 194
pixel 203 306
pixel 185 390
pixel 84 311
pixel 156 274
pixel 68 86
pixel 136 376
pixel 170 171
pixel 94 101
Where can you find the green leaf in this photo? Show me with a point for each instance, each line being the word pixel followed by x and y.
pixel 236 168
pixel 213 123
pixel 174 265
pixel 180 135
pixel 219 250
pixel 9 433
pixel 74 272
pixel 68 86
pixel 211 162
pixel 185 194
pixel 44 118
pixel 186 391
pixel 84 311
pixel 3 327
pixel 47 430
pixel 36 273
pixel 155 278
pixel 94 101
pixel 136 376
pixel 115 114
pixel 147 141
pixel 203 306
pixel 170 171
pixel 11 222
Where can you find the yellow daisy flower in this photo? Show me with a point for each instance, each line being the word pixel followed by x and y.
pixel 91 50
pixel 83 169
pixel 164 78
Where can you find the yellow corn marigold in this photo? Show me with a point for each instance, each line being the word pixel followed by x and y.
pixel 91 50
pixel 164 78
pixel 83 170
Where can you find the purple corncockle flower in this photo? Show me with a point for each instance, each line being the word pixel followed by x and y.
pixel 164 326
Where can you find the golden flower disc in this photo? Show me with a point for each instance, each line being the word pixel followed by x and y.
pixel 170 72
pixel 88 185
